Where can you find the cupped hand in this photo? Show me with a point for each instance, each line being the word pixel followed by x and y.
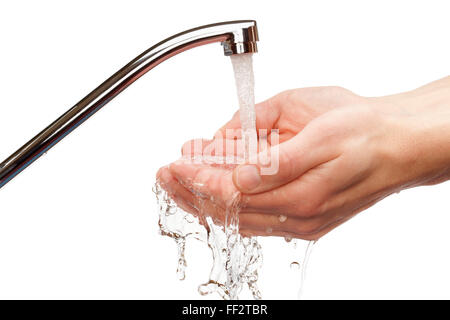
pixel 339 154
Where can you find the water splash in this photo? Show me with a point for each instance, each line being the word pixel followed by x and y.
pixel 177 225
pixel 236 259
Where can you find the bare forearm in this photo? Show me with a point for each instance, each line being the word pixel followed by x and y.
pixel 424 127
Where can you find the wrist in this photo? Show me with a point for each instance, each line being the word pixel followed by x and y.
pixel 421 123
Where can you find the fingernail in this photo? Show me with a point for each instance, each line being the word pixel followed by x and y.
pixel 248 177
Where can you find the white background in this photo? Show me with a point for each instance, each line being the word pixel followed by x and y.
pixel 81 221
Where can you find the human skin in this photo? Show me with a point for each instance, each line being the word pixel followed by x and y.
pixel 339 153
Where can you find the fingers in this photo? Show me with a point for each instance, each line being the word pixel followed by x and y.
pixel 302 198
pixel 227 140
pixel 176 191
pixel 195 147
pixel 213 148
pixel 292 235
pixel 205 181
pixel 257 223
pixel 293 158
pixel 189 185
pixel 270 224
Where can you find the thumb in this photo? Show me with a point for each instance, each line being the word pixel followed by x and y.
pixel 295 157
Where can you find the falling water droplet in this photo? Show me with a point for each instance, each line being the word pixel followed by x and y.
pixel 189 218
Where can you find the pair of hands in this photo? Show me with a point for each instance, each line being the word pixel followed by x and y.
pixel 339 154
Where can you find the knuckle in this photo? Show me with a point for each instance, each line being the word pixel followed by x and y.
pixel 187 147
pixel 285 97
pixel 335 88
pixel 236 115
pixel 287 168
pixel 308 209
pixel 291 96
pixel 307 228
pixel 311 208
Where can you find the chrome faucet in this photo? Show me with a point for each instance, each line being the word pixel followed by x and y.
pixel 237 37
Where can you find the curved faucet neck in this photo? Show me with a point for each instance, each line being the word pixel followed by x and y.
pixel 237 37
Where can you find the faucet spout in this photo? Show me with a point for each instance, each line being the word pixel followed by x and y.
pixel 237 37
